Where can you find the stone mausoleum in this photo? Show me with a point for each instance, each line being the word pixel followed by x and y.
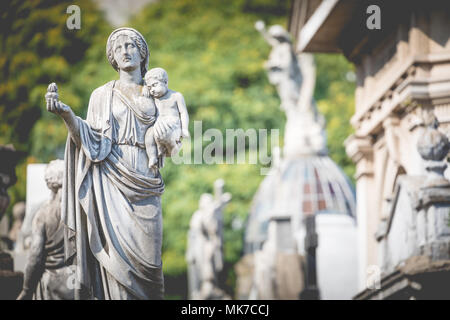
pixel 401 54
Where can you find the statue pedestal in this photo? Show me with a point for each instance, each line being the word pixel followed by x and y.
pixel 415 244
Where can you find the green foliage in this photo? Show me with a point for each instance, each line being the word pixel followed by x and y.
pixel 335 99
pixel 213 55
pixel 37 48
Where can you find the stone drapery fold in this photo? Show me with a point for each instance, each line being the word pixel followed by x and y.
pixel 112 213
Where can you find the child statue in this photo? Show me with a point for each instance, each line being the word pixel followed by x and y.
pixel 172 122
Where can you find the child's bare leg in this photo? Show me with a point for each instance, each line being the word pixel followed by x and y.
pixel 161 154
pixel 174 144
pixel 151 148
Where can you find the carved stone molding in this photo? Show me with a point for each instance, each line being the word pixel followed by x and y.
pixel 360 150
pixel 419 278
pixel 392 137
pixel 396 93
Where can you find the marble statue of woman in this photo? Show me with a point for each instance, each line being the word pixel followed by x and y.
pixel 111 203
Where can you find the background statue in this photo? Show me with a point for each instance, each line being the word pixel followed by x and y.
pixel 9 279
pixel 172 113
pixel 18 216
pixel 9 159
pixel 111 197
pixel 294 78
pixel 205 245
pixel 282 66
pixel 46 275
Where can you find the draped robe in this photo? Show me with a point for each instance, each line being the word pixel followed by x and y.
pixel 111 205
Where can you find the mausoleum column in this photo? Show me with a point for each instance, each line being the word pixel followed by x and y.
pixel 360 150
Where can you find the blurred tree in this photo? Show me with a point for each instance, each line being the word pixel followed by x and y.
pixel 213 55
pixel 37 48
pixel 335 87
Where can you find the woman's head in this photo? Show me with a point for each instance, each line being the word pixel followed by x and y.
pixel 124 46
pixel 54 175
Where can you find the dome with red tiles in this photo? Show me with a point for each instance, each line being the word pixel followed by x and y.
pixel 299 187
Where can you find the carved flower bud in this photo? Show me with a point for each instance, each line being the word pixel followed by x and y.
pixel 52 87
pixel 433 145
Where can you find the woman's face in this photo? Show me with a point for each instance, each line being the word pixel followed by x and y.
pixel 126 54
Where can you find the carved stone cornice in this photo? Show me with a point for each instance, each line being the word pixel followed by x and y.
pixel 360 150
pixel 433 195
pixel 412 280
pixel 404 86
pixel 391 122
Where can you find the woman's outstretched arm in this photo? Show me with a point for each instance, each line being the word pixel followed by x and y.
pixel 64 111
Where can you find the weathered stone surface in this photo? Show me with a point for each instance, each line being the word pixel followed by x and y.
pixel 294 78
pixel 172 113
pixel 305 182
pixel 415 256
pixel 5 241
pixel 432 144
pixel 18 216
pixel 289 280
pixel 244 269
pixel 422 264
pixel 401 71
pixel 277 267
pixel 46 274
pixel 204 254
pixel 107 173
pixel 418 278
pixel 37 193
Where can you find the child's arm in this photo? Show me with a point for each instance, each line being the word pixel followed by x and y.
pixel 184 116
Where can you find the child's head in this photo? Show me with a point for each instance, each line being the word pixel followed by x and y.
pixel 156 81
pixel 54 175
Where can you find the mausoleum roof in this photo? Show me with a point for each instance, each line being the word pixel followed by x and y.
pixel 300 186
